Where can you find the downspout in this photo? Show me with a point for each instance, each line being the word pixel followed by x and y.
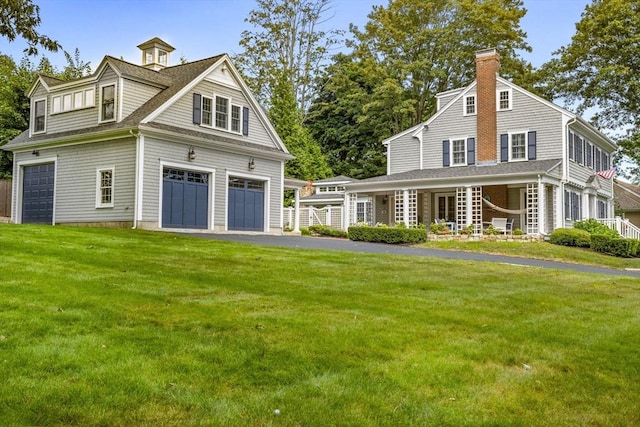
pixel 136 135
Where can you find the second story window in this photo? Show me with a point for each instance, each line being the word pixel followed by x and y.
pixel 235 118
pixel 518 146
pixel 206 111
pixel 504 100
pixel 39 115
pixel 108 103
pixel 458 152
pixel 222 112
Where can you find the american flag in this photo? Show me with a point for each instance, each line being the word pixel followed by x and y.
pixel 608 174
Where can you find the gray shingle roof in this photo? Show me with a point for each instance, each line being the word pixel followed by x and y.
pixel 173 79
pixel 505 169
pixel 627 196
pixel 339 178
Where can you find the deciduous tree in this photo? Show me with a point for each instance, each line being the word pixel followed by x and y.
pixel 21 18
pixel 600 70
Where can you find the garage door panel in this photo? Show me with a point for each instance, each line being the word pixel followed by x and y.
pixel 246 205
pixel 37 193
pixel 185 199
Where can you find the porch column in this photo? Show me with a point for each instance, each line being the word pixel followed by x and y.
pixel 405 203
pixel 584 209
pixel 558 195
pixel 469 208
pixel 542 207
pixel 296 211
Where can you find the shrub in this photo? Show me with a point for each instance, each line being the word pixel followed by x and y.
pixel 518 232
pixel 325 230
pixel 615 246
pixel 570 237
pixel 305 231
pixel 593 226
pixel 387 234
pixel 439 228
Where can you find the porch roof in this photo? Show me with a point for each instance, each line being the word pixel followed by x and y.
pixel 455 174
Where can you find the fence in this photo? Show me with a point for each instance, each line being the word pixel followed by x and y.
pixel 329 215
pixel 5 198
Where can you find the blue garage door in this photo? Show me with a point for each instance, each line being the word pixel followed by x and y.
pixel 37 194
pixel 246 204
pixel 185 198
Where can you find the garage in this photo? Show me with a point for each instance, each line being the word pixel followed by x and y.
pixel 246 204
pixel 37 193
pixel 185 198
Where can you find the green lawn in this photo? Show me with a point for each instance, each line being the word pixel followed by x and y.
pixel 125 327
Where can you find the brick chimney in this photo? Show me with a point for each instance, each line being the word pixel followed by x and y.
pixel 487 67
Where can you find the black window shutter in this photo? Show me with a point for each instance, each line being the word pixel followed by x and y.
pixel 571 152
pixel 504 147
pixel 245 121
pixel 567 204
pixel 471 151
pixel 445 152
pixel 531 142
pixel 197 108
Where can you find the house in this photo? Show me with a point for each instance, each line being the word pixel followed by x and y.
pixel 627 201
pixel 152 146
pixel 491 150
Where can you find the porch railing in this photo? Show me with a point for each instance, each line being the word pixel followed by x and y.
pixel 622 226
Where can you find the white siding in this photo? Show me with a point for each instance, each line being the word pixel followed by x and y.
pixel 181 114
pixel 157 151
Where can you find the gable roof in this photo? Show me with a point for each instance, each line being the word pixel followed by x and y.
pixel 339 178
pixel 627 196
pixel 173 81
pixel 464 91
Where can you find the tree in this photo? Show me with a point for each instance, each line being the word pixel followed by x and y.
pixel 408 52
pixel 309 163
pixel 287 39
pixel 21 18
pixel 600 70
pixel 14 105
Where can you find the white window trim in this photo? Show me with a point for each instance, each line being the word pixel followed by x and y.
pixel 231 106
pixel 32 128
pixel 451 163
pixel 115 103
pixel 475 105
pixel 526 146
pixel 510 92
pixel 99 171
pixel 59 99
pixel 213 111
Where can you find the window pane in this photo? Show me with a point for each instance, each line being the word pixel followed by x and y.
pixel 89 98
pixel 39 116
pixel 206 111
pixel 106 186
pixel 78 98
pixel 504 100
pixel 222 112
pixel 162 57
pixel 518 146
pixel 108 104
pixel 235 118
pixel 458 151
pixel 57 104
pixel 471 105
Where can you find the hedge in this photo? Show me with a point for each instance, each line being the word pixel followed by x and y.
pixel 387 234
pixel 325 230
pixel 615 246
pixel 570 237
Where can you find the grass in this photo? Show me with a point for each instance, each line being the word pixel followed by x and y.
pixel 537 250
pixel 124 327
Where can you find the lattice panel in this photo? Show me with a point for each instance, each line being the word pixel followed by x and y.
pixel 461 207
pixel 532 209
pixel 412 208
pixel 476 208
pixel 353 208
pixel 399 206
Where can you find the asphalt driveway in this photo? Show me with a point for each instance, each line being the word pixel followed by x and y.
pixel 305 242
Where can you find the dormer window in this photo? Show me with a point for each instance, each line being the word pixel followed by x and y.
pixel 108 103
pixel 39 115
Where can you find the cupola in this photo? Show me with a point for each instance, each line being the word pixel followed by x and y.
pixel 155 53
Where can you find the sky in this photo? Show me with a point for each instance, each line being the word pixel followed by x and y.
pixel 203 28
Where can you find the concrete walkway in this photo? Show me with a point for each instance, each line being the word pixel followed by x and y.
pixel 324 243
